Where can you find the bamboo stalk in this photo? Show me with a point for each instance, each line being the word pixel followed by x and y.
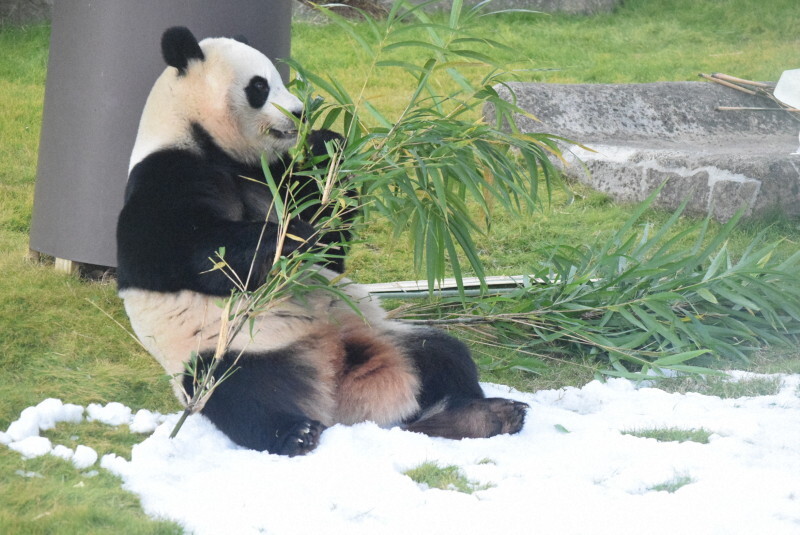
pixel 728 84
pixel 729 78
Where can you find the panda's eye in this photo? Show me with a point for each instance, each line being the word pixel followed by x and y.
pixel 257 91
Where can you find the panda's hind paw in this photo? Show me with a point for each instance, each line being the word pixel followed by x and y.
pixel 300 439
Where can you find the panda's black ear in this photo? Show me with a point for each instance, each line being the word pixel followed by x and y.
pixel 179 46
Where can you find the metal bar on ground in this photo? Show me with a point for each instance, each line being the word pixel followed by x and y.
pixel 449 287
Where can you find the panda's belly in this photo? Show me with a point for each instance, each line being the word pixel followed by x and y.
pixel 319 330
pixel 172 326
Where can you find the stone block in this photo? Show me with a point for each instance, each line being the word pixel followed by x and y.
pixel 641 135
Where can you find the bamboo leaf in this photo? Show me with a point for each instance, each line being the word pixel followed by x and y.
pixel 737 299
pixel 413 44
pixel 679 358
pixel 707 295
pixel 642 299
pixel 377 115
pixel 716 264
pixel 346 26
pixel 410 67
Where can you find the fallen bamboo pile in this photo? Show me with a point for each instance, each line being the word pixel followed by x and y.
pixel 762 89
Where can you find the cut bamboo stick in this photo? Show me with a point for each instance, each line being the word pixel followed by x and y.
pixel 734 79
pixel 728 84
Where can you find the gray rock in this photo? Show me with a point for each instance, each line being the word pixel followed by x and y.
pixel 641 135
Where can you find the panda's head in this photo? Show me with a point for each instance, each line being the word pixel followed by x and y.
pixel 230 89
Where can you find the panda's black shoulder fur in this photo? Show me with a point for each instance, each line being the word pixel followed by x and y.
pixel 182 206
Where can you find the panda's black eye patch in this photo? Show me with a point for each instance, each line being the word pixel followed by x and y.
pixel 257 91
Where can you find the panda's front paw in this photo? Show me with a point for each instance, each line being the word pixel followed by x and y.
pixel 318 139
pixel 300 439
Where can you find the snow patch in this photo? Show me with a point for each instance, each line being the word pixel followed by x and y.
pixel 145 421
pixel 62 452
pixel 31 447
pixel 43 416
pixel 572 453
pixel 84 457
pixel 113 413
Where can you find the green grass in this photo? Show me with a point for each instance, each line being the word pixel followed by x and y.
pixel 47 495
pixel 55 342
pixel 643 41
pixel 673 484
pixel 434 476
pixel 647 41
pixel 672 434
pixel 22 74
pixel 722 387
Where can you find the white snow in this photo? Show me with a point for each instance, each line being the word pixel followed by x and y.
pixel 569 471
pixel 31 447
pixel 63 452
pixel 84 457
pixel 145 421
pixel 112 414
pixel 43 416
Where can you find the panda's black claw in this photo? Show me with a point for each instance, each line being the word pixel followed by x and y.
pixel 300 439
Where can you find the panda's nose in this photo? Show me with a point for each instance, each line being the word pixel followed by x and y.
pixel 299 115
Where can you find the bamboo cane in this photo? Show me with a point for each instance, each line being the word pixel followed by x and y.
pixel 729 78
pixel 728 84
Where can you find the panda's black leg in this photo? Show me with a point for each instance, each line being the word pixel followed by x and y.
pixel 471 418
pixel 299 439
pixel 256 402
pixel 452 404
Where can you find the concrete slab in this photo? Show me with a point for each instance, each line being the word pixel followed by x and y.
pixel 643 134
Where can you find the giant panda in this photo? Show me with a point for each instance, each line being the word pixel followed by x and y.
pixel 310 362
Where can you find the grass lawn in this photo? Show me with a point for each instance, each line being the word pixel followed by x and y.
pixel 59 335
